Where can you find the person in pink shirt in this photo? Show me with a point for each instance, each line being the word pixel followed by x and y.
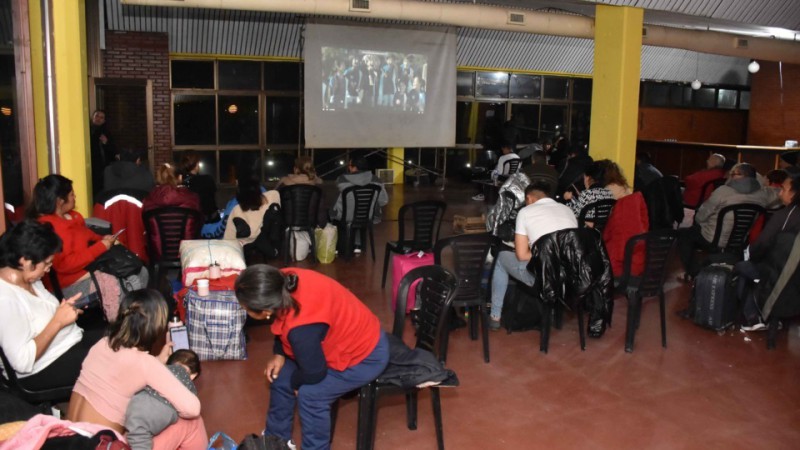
pixel 120 365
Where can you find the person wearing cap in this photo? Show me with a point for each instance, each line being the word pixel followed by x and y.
pixel 695 182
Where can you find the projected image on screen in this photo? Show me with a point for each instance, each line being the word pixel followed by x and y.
pixel 365 79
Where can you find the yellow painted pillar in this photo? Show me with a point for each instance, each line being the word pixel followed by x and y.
pixel 71 97
pixel 37 81
pixel 396 155
pixel 615 87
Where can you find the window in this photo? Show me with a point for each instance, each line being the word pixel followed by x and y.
pixel 680 95
pixel 234 109
pixel 194 119
pixel 236 163
pixel 704 97
pixel 464 83
pixel 193 74
pixel 582 90
pixel 656 94
pixel 556 88
pixel 554 121
pixel 726 98
pixel 525 86
pixel 238 119
pixel 463 115
pixel 283 120
pixel 282 76
pixel 744 100
pixel 240 75
pixel 526 116
pixel 491 84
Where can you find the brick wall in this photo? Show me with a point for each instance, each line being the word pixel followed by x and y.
pixel 774 112
pixel 144 56
pixel 692 125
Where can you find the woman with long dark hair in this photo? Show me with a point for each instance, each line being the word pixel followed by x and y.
pixel 252 204
pixel 54 203
pixel 327 343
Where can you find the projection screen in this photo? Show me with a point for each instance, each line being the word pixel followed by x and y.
pixel 368 86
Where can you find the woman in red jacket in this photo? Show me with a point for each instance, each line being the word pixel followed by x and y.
pixel 327 343
pixel 54 203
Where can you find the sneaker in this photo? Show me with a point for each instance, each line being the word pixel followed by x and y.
pixel 478 198
pixel 494 324
pixel 356 251
pixel 760 326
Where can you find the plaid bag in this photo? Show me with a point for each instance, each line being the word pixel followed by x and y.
pixel 215 325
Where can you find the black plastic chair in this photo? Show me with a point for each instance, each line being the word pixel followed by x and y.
pixel 427 217
pixel 601 209
pixel 744 216
pixel 300 206
pixel 555 253
pixel 511 166
pixel 172 225
pixel 467 262
pixel 42 398
pixel 650 283
pixel 435 295
pixel 364 202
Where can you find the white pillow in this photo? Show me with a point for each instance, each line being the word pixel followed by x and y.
pixel 197 255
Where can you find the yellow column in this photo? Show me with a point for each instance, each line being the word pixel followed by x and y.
pixel 37 81
pixel 615 88
pixel 396 155
pixel 72 101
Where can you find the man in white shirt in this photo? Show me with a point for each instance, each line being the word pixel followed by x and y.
pixel 541 216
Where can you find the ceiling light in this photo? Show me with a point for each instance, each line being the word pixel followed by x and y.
pixel 696 84
pixel 754 66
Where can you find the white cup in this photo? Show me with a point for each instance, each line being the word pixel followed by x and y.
pixel 202 288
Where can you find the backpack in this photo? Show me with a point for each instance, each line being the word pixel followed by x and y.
pixel 270 240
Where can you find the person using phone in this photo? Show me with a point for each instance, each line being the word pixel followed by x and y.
pixel 38 333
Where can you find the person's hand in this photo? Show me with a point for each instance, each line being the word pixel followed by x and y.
pixel 166 350
pixel 66 313
pixel 103 139
pixel 274 366
pixel 567 195
pixel 108 240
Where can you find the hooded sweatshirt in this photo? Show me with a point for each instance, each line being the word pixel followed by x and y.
pixel 735 191
pixel 358 179
pixel 127 175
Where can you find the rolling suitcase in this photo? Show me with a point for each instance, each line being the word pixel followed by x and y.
pixel 714 297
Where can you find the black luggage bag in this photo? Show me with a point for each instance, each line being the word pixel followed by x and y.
pixel 714 297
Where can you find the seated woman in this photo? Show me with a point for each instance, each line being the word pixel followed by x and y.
pixel 170 192
pixel 327 343
pixel 304 173
pixel 615 180
pixel 120 365
pixel 594 179
pixel 54 203
pixel 202 185
pixel 37 332
pixel 252 204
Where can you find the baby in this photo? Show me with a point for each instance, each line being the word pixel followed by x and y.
pixel 149 413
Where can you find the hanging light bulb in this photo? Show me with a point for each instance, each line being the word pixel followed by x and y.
pixel 696 84
pixel 754 66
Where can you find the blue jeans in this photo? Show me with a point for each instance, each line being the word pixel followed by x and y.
pixel 507 265
pixel 315 400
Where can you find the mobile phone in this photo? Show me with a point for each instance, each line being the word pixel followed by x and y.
pixel 85 301
pixel 180 338
pixel 116 235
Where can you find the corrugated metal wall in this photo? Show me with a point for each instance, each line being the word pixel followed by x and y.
pixel 264 34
